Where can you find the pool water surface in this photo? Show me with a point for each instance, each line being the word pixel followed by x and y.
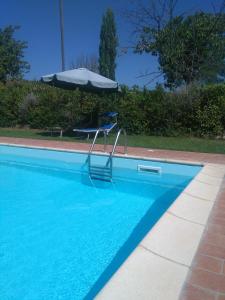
pixel 62 235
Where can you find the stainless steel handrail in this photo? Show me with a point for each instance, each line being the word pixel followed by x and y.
pixel 94 140
pixel 110 160
pixel 91 149
pixel 116 141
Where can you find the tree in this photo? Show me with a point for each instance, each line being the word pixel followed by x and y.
pixel 189 49
pixel 108 46
pixel 86 61
pixel 12 63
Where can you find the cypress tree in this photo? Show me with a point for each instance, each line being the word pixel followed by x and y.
pixel 108 45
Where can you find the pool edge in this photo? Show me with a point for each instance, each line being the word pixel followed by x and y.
pixel 99 153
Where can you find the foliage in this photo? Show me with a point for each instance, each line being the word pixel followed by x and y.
pixel 210 114
pixel 189 49
pixel 12 63
pixel 108 45
pixel 198 111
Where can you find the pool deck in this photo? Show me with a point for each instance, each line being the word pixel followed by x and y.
pixel 183 256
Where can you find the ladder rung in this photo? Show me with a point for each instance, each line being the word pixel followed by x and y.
pixel 100 173
pixel 99 167
pixel 109 179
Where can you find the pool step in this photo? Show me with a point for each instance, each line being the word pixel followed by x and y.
pixel 100 173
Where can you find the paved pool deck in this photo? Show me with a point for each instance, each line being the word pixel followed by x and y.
pixel 197 265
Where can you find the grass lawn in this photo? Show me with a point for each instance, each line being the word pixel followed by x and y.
pixel 156 142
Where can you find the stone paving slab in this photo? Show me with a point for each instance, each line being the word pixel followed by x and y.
pixel 143 269
pixel 174 238
pixel 202 190
pixel 192 209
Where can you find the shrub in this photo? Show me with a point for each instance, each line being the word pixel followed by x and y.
pixel 196 111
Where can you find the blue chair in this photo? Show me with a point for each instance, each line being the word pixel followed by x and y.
pixel 106 128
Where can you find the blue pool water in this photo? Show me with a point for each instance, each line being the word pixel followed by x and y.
pixel 62 236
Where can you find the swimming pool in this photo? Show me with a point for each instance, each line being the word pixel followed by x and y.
pixel 62 235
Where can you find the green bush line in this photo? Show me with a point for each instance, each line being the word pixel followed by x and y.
pixel 197 111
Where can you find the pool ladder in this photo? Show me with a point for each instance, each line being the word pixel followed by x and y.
pixel 104 172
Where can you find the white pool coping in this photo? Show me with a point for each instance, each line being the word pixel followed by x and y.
pixel 158 266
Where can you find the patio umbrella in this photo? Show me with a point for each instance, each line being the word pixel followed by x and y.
pixel 81 78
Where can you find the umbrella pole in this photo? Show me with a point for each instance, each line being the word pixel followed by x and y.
pixel 62 33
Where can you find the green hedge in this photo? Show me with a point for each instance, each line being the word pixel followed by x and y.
pixel 198 111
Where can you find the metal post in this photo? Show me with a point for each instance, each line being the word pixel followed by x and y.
pixel 105 141
pixel 62 33
pixel 125 141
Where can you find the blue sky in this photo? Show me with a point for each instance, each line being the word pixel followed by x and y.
pixel 39 21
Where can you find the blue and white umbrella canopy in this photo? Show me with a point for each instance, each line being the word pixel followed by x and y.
pixel 81 78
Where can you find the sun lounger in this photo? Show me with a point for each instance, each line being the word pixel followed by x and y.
pixel 106 128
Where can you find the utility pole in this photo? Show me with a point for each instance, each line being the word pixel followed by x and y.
pixel 62 33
